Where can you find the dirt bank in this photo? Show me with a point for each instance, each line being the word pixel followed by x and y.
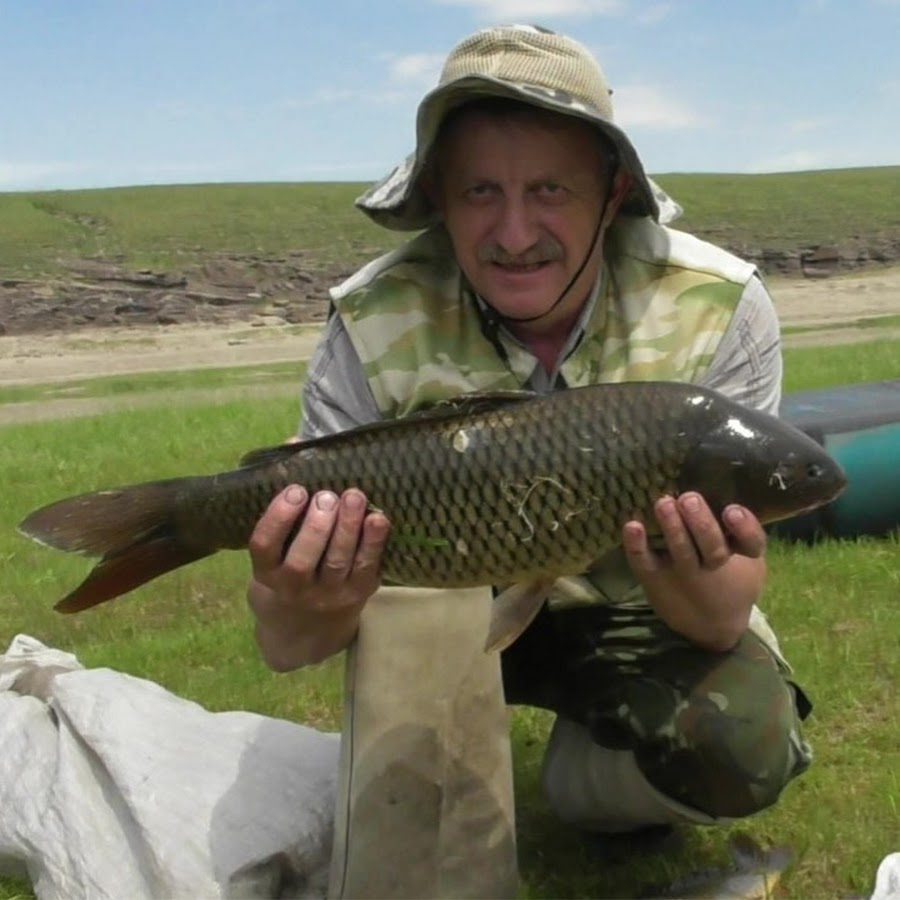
pixel 831 308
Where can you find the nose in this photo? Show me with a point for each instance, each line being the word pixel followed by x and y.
pixel 516 229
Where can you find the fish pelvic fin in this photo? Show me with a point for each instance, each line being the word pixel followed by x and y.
pixel 132 529
pixel 514 610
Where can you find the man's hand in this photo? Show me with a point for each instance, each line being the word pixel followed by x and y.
pixel 704 584
pixel 307 595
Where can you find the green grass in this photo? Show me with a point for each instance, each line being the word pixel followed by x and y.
pixel 170 227
pixel 148 383
pixel 807 368
pixel 787 211
pixel 835 606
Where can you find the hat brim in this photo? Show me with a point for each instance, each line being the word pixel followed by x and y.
pixel 398 201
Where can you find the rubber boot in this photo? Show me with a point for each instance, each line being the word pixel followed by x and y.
pixel 425 792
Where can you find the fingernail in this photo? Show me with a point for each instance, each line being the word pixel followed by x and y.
pixel 353 500
pixel 295 495
pixel 691 502
pixel 734 514
pixel 666 506
pixel 326 501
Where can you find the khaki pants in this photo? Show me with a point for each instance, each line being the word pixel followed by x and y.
pixel 425 795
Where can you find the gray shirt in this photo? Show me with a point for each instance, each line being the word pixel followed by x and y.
pixel 746 367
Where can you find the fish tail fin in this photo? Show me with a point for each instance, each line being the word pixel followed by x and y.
pixel 116 575
pixel 132 529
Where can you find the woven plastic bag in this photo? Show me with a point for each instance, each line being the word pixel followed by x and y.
pixel 111 786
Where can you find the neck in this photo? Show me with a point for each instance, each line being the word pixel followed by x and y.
pixel 546 344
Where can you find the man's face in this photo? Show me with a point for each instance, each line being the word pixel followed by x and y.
pixel 521 198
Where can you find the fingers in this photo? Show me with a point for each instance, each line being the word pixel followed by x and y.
pixel 267 541
pixel 697 528
pixel 319 540
pixel 642 559
pixel 693 536
pixel 376 529
pixel 337 542
pixel 334 542
pixel 748 537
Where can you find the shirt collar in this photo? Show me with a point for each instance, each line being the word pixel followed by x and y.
pixel 494 324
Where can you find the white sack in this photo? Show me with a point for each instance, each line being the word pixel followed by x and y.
pixel 887 879
pixel 110 786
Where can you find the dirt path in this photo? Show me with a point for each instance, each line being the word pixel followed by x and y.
pixel 38 358
pixel 830 308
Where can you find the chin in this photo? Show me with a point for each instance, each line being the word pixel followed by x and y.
pixel 522 303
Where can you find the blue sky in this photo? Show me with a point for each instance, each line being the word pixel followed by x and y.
pixel 97 93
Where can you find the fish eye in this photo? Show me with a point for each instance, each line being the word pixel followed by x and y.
pixel 814 470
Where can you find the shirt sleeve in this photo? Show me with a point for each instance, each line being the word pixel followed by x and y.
pixel 747 364
pixel 336 394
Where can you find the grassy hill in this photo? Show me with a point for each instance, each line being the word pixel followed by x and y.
pixel 168 227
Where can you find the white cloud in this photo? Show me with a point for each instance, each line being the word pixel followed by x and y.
pixel 344 97
pixel 40 176
pixel 418 68
pixel 526 10
pixel 647 106
pixel 804 126
pixel 793 161
pixel 890 89
pixel 655 13
pixel 15 175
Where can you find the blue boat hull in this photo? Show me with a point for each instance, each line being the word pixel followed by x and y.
pixel 859 425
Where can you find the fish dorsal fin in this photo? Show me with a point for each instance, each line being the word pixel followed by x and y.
pixel 472 403
pixel 452 408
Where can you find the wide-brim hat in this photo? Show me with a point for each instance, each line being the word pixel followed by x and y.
pixel 521 62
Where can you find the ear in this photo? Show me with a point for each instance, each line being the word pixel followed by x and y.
pixel 430 186
pixel 620 188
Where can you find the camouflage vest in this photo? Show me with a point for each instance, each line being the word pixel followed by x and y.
pixel 666 302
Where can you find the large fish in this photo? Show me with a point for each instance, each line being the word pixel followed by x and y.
pixel 506 488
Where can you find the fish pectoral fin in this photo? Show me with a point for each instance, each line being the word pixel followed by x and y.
pixel 514 610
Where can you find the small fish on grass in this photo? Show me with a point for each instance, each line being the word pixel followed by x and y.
pixel 754 875
pixel 510 488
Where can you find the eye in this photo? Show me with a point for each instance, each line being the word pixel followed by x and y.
pixel 814 471
pixel 552 192
pixel 480 192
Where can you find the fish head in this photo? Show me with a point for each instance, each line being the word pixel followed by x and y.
pixel 761 462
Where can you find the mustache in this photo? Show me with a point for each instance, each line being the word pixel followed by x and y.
pixel 546 249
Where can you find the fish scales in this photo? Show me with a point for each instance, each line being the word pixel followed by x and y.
pixel 535 487
pixel 486 489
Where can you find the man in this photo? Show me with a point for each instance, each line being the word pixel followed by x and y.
pixel 543 265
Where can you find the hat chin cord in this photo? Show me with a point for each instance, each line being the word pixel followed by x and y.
pixel 524 320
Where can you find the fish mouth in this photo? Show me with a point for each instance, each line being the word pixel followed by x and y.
pixel 817 500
